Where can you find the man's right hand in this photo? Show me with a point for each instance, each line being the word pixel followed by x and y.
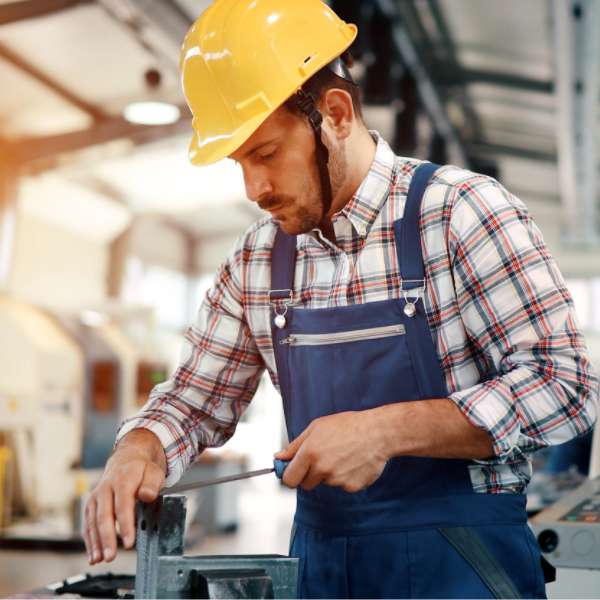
pixel 135 471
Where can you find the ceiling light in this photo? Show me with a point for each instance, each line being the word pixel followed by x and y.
pixel 92 318
pixel 151 113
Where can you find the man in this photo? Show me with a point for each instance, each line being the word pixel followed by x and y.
pixel 421 335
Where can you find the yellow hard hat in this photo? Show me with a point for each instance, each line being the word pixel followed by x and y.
pixel 242 59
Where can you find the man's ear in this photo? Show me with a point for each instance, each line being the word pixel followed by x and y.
pixel 338 112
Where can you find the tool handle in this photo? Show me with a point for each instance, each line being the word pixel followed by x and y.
pixel 280 466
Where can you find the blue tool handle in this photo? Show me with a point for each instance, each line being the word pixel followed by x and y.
pixel 280 466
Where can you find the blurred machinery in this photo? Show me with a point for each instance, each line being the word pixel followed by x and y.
pixel 568 533
pixel 41 385
pixel 67 383
pixel 214 509
pixel 110 363
pixel 65 386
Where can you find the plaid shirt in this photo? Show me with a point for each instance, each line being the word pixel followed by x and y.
pixel 501 318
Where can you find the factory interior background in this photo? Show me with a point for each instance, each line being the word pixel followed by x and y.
pixel 109 238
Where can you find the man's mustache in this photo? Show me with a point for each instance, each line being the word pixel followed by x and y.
pixel 272 202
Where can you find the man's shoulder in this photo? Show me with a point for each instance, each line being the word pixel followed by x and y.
pixel 447 184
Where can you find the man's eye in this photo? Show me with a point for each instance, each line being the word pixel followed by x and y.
pixel 267 155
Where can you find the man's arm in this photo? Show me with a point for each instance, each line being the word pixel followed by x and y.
pixel 198 407
pixel 536 385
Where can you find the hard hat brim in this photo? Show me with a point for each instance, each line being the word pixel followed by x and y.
pixel 214 150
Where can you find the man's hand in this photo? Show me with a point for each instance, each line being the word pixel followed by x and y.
pixel 136 470
pixel 350 449
pixel 342 450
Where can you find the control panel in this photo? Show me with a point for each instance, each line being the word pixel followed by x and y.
pixel 568 532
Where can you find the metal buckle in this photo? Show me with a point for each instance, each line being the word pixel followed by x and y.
pixel 412 296
pixel 277 301
pixel 280 320
pixel 410 292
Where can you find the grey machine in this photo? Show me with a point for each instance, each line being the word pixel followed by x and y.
pixel 102 399
pixel 568 533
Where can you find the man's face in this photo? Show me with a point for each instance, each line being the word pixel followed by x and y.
pixel 280 172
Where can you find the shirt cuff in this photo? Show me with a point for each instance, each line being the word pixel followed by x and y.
pixel 490 406
pixel 177 460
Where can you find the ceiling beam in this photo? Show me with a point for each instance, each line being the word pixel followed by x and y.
pixel 449 52
pixel 41 153
pixel 576 46
pixel 143 18
pixel 430 96
pixel 477 149
pixel 8 218
pixel 453 74
pixel 31 70
pixel 166 15
pixel 12 12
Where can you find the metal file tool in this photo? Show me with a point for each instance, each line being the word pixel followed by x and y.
pixel 278 468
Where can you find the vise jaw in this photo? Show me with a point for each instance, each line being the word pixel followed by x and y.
pixel 164 572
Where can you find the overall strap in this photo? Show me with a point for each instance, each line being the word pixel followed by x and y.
pixel 283 268
pixel 283 265
pixel 407 233
pixel 471 547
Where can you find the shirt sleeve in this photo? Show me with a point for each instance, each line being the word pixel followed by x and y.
pixel 217 376
pixel 537 386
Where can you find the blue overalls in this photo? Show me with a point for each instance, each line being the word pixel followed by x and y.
pixel 392 538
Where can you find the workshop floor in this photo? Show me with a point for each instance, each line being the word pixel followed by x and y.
pixel 266 510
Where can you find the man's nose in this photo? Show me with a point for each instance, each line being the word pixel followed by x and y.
pixel 257 184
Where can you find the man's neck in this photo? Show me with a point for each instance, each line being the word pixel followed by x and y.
pixel 361 153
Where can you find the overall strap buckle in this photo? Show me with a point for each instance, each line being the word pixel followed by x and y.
pixel 414 290
pixel 279 299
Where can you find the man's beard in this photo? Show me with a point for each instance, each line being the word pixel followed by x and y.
pixel 308 220
pixel 338 167
pixel 310 215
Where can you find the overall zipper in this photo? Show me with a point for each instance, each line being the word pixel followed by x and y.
pixel 342 337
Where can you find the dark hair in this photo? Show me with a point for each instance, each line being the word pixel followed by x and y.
pixel 325 80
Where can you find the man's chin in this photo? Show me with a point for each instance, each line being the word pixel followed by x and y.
pixel 286 226
pixel 290 228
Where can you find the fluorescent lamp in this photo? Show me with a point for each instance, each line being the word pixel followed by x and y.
pixel 151 113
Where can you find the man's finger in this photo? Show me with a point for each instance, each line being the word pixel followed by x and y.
pixel 91 532
pixel 105 520
pixel 125 496
pixel 296 471
pixel 125 514
pixel 152 482
pixel 312 478
pixel 292 448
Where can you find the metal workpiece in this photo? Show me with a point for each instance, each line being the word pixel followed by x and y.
pixel 164 572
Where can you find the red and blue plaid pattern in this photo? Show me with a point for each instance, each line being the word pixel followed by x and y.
pixel 501 317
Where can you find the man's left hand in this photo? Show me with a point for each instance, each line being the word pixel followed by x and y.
pixel 342 450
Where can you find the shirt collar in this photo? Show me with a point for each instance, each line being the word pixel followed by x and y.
pixel 363 208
